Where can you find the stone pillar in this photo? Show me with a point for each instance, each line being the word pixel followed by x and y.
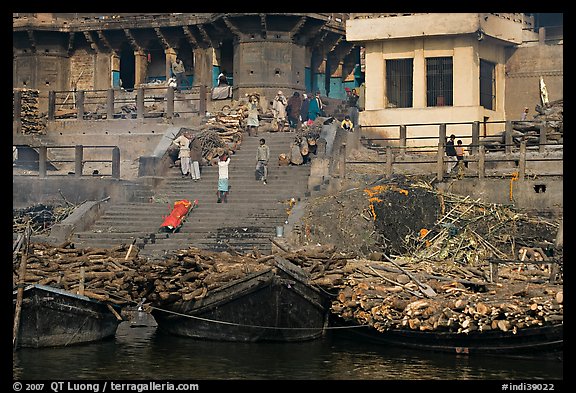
pixel 140 67
pixel 267 65
pixel 170 57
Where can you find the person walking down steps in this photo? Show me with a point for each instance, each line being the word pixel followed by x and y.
pixel 183 144
pixel 262 158
pixel 223 185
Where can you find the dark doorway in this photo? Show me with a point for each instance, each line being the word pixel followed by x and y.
pixel 127 67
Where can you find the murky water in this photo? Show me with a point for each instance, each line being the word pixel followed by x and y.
pixel 142 353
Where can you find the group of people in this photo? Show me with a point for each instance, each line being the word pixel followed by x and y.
pixel 455 153
pixel 189 152
pixel 297 110
pixel 190 155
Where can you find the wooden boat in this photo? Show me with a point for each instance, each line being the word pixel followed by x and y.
pixel 51 317
pixel 538 341
pixel 275 304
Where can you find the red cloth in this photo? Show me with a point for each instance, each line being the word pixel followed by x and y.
pixel 179 212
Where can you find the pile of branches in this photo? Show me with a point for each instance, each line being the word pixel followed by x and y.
pixel 40 216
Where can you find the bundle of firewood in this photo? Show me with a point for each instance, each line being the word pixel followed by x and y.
pixel 32 120
pixel 215 142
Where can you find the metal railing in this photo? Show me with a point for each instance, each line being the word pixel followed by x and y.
pixel 143 102
pixel 432 158
pixel 79 161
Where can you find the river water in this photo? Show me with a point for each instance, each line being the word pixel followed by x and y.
pixel 143 353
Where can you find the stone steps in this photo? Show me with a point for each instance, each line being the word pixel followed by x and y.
pixel 248 220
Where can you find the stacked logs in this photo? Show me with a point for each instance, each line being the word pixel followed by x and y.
pixel 32 121
pixel 190 274
pixel 103 274
pixel 377 294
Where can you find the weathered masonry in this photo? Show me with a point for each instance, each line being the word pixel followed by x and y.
pixel 258 52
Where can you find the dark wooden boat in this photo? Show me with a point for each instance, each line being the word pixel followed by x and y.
pixel 51 317
pixel 276 304
pixel 538 341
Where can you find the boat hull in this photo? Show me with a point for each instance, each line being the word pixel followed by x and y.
pixel 51 317
pixel 272 305
pixel 527 342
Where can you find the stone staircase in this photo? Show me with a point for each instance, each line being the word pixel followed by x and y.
pixel 248 220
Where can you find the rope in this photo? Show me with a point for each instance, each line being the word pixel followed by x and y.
pixel 256 326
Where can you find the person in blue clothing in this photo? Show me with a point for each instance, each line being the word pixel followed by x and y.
pixel 316 107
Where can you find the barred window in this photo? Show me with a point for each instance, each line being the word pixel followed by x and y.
pixel 439 84
pixel 487 84
pixel 399 83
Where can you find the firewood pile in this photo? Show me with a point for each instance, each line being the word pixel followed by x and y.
pixel 549 118
pixel 215 142
pixel 33 122
pixel 102 274
pixel 377 294
pixel 190 274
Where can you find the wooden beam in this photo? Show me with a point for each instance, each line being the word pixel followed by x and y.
pixel 90 40
pixel 106 42
pixel 263 24
pixel 71 37
pixel 132 40
pixel 205 35
pixel 232 27
pixel 191 39
pixel 32 39
pixel 298 26
pixel 162 38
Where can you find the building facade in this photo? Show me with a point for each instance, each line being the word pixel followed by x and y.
pixel 427 68
pixel 258 52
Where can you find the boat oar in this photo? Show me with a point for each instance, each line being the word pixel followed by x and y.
pixel 425 288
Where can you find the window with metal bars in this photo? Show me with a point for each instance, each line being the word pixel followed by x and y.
pixel 487 84
pixel 399 83
pixel 439 81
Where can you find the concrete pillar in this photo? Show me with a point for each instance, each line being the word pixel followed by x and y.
pixel 78 160
pixel 475 137
pixel 466 73
pixel 110 104
pixel 440 161
pixel 376 79
pixel 169 102
pixel 389 162
pixel 481 162
pixel 170 58
pixel 419 76
pixel 140 67
pixel 17 111
pixel 522 161
pixel 508 137
pixel 403 134
pixel 51 104
pixel 80 104
pixel 140 103
pixel 116 162
pixel 42 159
